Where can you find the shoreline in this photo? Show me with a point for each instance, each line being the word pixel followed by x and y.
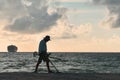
pixel 58 76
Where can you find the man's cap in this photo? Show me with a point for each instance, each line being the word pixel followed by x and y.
pixel 47 37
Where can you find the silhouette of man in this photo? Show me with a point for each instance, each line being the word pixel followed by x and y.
pixel 43 55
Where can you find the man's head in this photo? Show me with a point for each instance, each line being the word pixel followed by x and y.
pixel 47 38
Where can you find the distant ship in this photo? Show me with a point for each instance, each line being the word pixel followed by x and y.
pixel 12 48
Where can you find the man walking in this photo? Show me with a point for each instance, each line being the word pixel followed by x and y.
pixel 43 55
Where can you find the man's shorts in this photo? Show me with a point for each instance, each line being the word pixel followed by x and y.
pixel 43 57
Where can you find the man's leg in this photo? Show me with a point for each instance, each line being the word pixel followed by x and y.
pixel 39 61
pixel 48 67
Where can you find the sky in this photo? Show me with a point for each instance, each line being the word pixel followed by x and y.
pixel 74 25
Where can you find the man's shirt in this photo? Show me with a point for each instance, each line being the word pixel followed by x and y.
pixel 42 47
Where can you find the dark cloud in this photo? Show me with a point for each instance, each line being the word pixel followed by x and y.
pixel 10 9
pixel 29 16
pixel 114 11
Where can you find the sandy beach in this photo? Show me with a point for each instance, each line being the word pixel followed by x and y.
pixel 57 76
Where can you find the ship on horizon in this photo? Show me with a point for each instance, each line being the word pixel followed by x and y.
pixel 12 48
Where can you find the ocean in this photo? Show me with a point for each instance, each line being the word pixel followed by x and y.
pixel 65 62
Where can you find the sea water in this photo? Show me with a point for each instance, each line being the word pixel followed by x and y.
pixel 66 62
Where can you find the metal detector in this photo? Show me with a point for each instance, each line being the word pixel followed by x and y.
pixel 36 54
pixel 54 67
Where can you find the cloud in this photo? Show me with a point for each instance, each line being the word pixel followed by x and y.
pixel 65 30
pixel 113 6
pixel 29 16
pixel 73 31
pixel 10 9
pixel 72 0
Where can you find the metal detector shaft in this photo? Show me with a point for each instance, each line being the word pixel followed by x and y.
pixel 56 58
pixel 54 66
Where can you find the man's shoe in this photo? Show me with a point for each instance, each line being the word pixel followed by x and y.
pixel 35 72
pixel 50 72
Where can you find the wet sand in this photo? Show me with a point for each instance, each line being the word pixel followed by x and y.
pixel 57 76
